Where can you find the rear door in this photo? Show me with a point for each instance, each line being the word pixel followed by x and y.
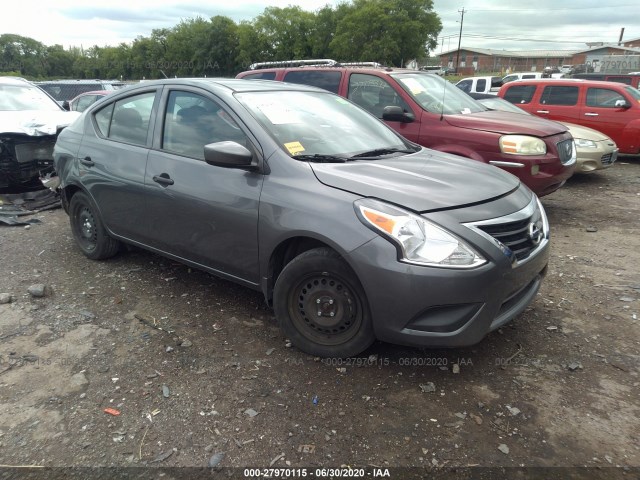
pixel 195 211
pixel 112 161
pixel 559 102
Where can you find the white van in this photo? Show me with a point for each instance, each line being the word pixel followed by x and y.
pixel 521 76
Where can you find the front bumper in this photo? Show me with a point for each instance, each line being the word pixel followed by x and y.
pixel 592 159
pixel 442 307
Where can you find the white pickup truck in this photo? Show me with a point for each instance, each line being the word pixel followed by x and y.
pixel 480 85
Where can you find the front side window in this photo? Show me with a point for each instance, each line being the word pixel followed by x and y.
pixel 321 79
pixel 520 94
pixel 603 98
pixel 481 85
pixel 127 120
pixel 559 95
pixel 374 93
pixel 436 95
pixel 193 121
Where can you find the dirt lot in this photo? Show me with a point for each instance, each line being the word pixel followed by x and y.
pixel 556 387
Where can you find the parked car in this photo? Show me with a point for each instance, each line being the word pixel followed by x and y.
pixel 30 121
pixel 609 107
pixel 566 69
pixel 65 90
pixel 437 69
pixel 520 76
pixel 350 231
pixel 632 79
pixel 430 111
pixel 594 150
pixel 85 100
pixel 480 84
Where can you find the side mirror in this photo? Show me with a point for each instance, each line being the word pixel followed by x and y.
pixel 622 104
pixel 66 105
pixel 394 113
pixel 228 154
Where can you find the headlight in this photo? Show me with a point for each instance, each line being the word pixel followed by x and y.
pixel 584 143
pixel 522 145
pixel 420 241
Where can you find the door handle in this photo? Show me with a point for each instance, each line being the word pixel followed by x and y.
pixel 87 162
pixel 163 179
pixel 542 111
pixel 589 114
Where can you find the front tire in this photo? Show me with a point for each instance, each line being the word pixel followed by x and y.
pixel 88 229
pixel 321 306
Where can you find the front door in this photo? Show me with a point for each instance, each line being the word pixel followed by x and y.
pixel 196 211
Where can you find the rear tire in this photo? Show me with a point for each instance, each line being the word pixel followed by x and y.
pixel 88 229
pixel 321 305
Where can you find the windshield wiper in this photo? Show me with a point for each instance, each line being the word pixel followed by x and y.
pixel 320 158
pixel 381 151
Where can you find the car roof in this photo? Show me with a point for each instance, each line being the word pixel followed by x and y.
pixel 564 81
pixel 231 84
pixel 352 68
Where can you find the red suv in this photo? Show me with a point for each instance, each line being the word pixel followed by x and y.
pixel 609 107
pixel 432 112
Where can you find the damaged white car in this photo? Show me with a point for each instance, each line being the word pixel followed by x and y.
pixel 30 121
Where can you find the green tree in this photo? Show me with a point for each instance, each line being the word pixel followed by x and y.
pixel 388 31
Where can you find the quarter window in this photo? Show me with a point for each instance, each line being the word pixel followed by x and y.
pixel 260 76
pixel 559 95
pixel 193 121
pixel 321 79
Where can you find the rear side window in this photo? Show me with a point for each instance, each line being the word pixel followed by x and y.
pixel 326 80
pixel 559 95
pixel 260 76
pixel 603 98
pixel 520 93
pixel 130 119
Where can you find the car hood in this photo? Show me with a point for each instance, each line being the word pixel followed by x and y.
pixel 506 123
pixel 424 181
pixel 35 122
pixel 578 131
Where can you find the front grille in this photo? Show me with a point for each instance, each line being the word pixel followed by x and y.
pixel 514 235
pixel 565 151
pixel 519 235
pixel 609 158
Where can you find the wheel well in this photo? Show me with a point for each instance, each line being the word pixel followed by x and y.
pixel 66 195
pixel 283 254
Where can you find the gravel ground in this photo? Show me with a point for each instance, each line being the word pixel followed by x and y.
pixel 198 372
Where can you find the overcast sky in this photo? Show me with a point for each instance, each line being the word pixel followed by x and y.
pixel 499 24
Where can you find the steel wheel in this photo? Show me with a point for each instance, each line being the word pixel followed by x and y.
pixel 321 305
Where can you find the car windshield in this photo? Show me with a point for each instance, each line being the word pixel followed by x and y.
pixel 634 92
pixel 437 95
pixel 320 126
pixel 25 97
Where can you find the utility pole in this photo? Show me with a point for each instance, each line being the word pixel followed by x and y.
pixel 459 39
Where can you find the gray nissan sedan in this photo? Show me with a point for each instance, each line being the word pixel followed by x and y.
pixel 351 232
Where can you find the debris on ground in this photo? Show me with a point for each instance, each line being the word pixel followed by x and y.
pixel 428 387
pixel 503 448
